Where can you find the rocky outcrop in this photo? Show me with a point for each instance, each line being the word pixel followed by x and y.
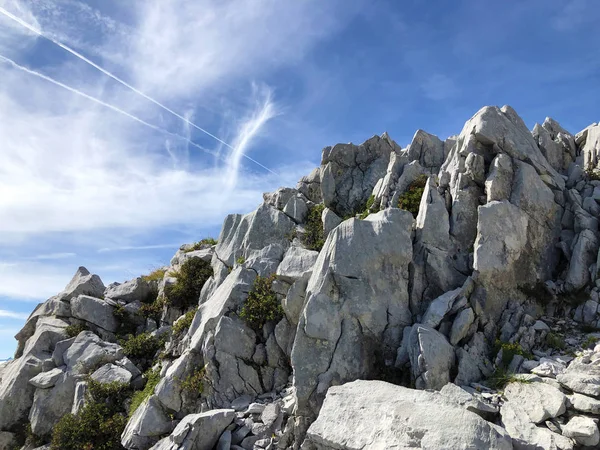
pixel 489 280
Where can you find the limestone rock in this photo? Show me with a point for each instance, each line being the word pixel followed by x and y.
pixel 88 351
pixel 583 430
pixel 581 376
pixel 110 373
pixel 137 289
pixel 83 283
pixel 197 431
pixel 461 325
pixel 46 380
pixel 539 401
pixel 356 304
pixel 49 405
pixel 296 262
pixel 375 414
pixel 96 311
pixel 431 357
pixel 147 424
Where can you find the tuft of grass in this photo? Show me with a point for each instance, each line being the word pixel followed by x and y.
pixel 262 305
pixel 183 324
pixel 192 275
pixel 501 377
pixel 411 199
pixel 198 245
pixel 155 275
pixel 314 235
pixel 555 341
pixel 74 330
pixel 589 342
pixel 510 350
pixel 241 260
pixel 152 378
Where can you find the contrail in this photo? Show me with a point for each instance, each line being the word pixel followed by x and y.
pixel 124 83
pixel 100 102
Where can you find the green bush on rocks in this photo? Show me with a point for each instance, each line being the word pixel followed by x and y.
pixel 411 199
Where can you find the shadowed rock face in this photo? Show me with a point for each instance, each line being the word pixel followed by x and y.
pixel 499 266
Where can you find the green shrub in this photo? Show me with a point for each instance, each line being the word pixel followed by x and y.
pixel 314 236
pixel 589 342
pixel 591 172
pixel 74 330
pixel 368 207
pixel 192 275
pixel 198 245
pixel 152 310
pixel 193 384
pixel 262 305
pixel 152 378
pixel 411 199
pixel 241 260
pixel 555 341
pixel 183 324
pixel 99 424
pixel 142 346
pixel 155 275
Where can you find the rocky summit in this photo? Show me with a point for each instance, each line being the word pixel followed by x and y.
pixel 439 296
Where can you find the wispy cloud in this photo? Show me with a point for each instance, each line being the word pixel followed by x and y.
pixel 136 247
pixel 13 315
pixel 51 256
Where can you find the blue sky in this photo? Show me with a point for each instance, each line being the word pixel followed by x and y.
pixel 83 184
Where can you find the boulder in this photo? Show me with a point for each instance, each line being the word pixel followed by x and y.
pixel 46 380
pixel 89 351
pixel 296 209
pixel 198 431
pixel 375 414
pixel 147 424
pixel 439 307
pixel 49 405
pixel 356 304
pixel 16 393
pixel 297 262
pixel 584 403
pixel 137 289
pixel 461 325
pixel 431 357
pixel 585 253
pixel 583 430
pixel 96 311
pixel 83 283
pixel 581 376
pixel 498 184
pixel 110 373
pixel 330 220
pixel 540 401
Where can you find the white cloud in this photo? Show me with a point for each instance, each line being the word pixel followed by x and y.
pixel 13 37
pixel 53 256
pixel 32 281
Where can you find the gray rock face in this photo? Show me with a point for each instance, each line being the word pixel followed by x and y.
pixel 350 173
pixel 431 357
pixel 356 304
pixel 330 220
pixel 374 414
pixel 498 184
pixel 83 283
pixel 88 351
pixel 585 252
pixel 581 376
pixel 241 235
pixel 16 394
pixel 7 440
pixel 296 209
pixel 461 325
pixel 96 311
pixel 198 431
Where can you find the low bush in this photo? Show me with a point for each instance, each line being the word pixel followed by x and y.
pixel 198 245
pixel 183 324
pixel 589 342
pixel 411 199
pixel 99 424
pixel 314 235
pixel 152 378
pixel 192 275
pixel 193 384
pixel 241 260
pixel 509 350
pixel 142 346
pixel 127 324
pixel 153 310
pixel 74 330
pixel 262 304
pixel 501 377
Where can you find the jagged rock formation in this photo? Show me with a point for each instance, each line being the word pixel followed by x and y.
pixel 494 280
